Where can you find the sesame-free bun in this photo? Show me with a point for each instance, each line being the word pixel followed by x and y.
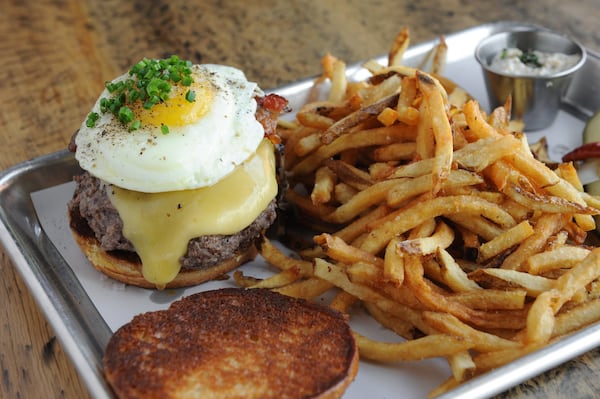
pixel 233 343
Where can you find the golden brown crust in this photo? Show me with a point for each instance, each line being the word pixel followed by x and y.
pixel 234 343
pixel 128 268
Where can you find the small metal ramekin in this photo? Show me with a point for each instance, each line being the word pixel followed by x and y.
pixel 535 99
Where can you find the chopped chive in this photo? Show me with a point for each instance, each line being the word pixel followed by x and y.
pixel 530 58
pixel 92 119
pixel 104 105
pixel 150 83
pixel 186 80
pixel 190 96
pixel 125 115
pixel 164 129
pixel 135 125
pixel 133 95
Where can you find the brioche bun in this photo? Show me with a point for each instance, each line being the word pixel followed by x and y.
pixel 233 343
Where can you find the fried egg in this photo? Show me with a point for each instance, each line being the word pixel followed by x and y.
pixel 206 140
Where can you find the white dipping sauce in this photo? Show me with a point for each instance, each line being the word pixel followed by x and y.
pixel 509 61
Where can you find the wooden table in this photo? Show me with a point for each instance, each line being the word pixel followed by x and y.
pixel 56 55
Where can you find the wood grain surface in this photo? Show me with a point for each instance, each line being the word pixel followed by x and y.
pixel 56 56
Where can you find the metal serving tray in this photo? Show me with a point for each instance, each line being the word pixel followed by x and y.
pixel 84 308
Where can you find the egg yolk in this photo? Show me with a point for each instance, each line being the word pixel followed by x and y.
pixel 177 110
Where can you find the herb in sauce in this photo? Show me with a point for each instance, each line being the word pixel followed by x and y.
pixel 530 58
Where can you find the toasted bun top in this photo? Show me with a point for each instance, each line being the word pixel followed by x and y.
pixel 233 343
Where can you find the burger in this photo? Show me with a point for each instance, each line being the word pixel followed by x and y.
pixel 179 173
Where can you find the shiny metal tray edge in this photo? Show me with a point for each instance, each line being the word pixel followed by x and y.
pixel 78 326
pixel 82 331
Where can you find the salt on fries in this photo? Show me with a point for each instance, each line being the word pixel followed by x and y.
pixel 437 218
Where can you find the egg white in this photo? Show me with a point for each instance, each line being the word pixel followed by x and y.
pixel 196 155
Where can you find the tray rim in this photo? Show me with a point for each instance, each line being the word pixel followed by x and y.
pixel 28 249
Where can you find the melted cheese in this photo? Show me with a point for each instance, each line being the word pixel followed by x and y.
pixel 159 225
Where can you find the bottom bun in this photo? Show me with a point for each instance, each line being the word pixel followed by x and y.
pixel 126 267
pixel 233 343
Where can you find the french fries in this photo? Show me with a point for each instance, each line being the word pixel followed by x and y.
pixel 437 219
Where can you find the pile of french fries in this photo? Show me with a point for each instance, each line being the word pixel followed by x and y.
pixel 436 218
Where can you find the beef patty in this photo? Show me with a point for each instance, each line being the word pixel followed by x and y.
pixel 91 201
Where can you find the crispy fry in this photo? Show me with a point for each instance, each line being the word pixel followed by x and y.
pixel 504 278
pixel 577 317
pixel 369 275
pixel 356 228
pixel 280 279
pixel 307 289
pixel 452 275
pixel 343 301
pixel 292 153
pixel 384 92
pixel 407 218
pixel 574 279
pixel 360 139
pixel 480 154
pixel 437 218
pixel 442 133
pixel 481 341
pixel 441 239
pixel 425 141
pixel 353 119
pixel 565 256
pixel 478 126
pixel 416 349
pixel 307 205
pixel 546 226
pixel 408 188
pixel 462 365
pixel 388 116
pixel 401 327
pixel 337 276
pixel 556 186
pixel 349 174
pixel 244 281
pixel 504 241
pixel 337 249
pixel 275 257
pixel 490 299
pixel 314 120
pixel 325 181
pixel 439 57
pixel 393 264
pixel 344 192
pixel 476 224
pixel 490 360
pixel 540 319
pixel 338 81
pixel 545 203
pixel 439 302
pixel 399 46
pixel 407 113
pixel 307 144
pixel 395 152
pixel 568 172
